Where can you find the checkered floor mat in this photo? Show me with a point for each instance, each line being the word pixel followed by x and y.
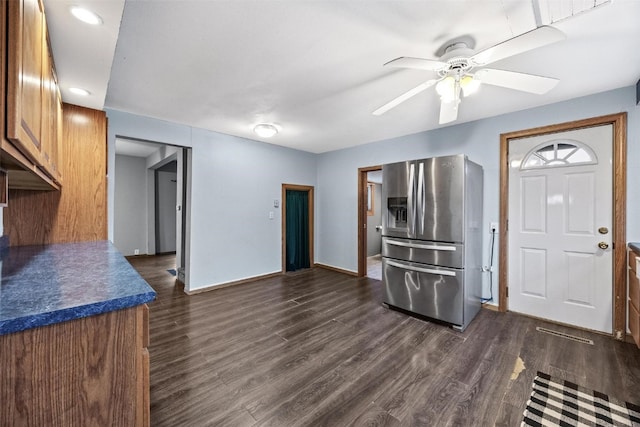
pixel 556 402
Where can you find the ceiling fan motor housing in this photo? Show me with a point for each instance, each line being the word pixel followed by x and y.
pixel 457 58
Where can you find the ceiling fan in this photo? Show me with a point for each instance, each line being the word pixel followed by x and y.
pixel 459 69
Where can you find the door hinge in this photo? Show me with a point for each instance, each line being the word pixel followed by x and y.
pixel 506 225
pixel 507 291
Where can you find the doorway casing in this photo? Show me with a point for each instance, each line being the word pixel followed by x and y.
pixel 619 200
pixel 362 217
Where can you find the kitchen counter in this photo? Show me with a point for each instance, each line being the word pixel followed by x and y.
pixel 635 247
pixel 45 285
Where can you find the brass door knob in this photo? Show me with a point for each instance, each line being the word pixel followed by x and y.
pixel 603 245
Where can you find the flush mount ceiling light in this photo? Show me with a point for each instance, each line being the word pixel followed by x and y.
pixel 266 130
pixel 86 15
pixel 79 91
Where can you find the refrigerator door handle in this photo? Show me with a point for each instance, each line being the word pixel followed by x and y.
pixel 421 198
pixel 412 212
pixel 420 269
pixel 419 246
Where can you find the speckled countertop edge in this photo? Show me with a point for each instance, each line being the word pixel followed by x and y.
pixel 58 316
pixel 45 285
pixel 635 247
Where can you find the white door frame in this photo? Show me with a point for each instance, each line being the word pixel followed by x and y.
pixel 619 155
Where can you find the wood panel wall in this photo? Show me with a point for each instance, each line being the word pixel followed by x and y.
pixel 78 212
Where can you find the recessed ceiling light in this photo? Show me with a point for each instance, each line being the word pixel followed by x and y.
pixel 266 130
pixel 86 15
pixel 79 91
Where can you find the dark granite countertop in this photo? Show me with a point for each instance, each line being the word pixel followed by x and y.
pixel 635 247
pixel 43 285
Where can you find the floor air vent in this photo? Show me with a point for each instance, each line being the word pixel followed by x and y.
pixel 563 335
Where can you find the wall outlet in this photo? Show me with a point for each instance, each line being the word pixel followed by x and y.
pixel 276 203
pixel 493 227
pixel 136 251
pixel 271 215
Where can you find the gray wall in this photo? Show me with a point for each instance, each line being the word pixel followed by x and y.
pixel 480 140
pixel 374 237
pixel 130 205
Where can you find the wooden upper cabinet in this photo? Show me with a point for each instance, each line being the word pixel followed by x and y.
pixel 33 102
pixel 24 74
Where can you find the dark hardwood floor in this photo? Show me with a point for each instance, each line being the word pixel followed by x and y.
pixel 318 349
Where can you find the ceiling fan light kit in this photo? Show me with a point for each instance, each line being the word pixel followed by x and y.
pixel 449 87
pixel 460 69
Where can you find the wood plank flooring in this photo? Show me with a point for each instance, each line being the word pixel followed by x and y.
pixel 318 349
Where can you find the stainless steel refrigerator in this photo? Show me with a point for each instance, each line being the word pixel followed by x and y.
pixel 432 240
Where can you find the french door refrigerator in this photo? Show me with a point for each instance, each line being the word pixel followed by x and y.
pixel 432 239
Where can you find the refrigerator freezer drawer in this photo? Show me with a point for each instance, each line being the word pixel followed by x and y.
pixel 444 254
pixel 428 290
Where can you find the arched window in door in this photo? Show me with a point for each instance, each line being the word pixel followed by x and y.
pixel 561 152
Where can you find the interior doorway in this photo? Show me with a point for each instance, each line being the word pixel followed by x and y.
pixel 370 222
pixel 297 227
pixel 166 195
pixel 152 201
pixel 519 225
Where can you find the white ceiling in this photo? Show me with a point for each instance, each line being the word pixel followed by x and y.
pixel 316 67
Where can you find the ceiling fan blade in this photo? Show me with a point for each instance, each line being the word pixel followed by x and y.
pixel 396 101
pixel 518 81
pixel 416 63
pixel 448 111
pixel 533 39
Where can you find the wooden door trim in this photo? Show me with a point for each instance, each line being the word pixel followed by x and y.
pixel 362 217
pixel 619 200
pixel 310 198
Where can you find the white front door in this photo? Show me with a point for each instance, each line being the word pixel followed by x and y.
pixel 560 211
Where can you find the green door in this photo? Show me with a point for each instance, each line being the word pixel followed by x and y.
pixel 297 232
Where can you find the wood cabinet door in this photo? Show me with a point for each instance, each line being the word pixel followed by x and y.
pixel 24 75
pixel 58 154
pixel 50 100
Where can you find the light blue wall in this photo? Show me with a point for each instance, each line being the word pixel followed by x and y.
pixel 130 205
pixel 234 184
pixel 235 181
pixel 480 141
